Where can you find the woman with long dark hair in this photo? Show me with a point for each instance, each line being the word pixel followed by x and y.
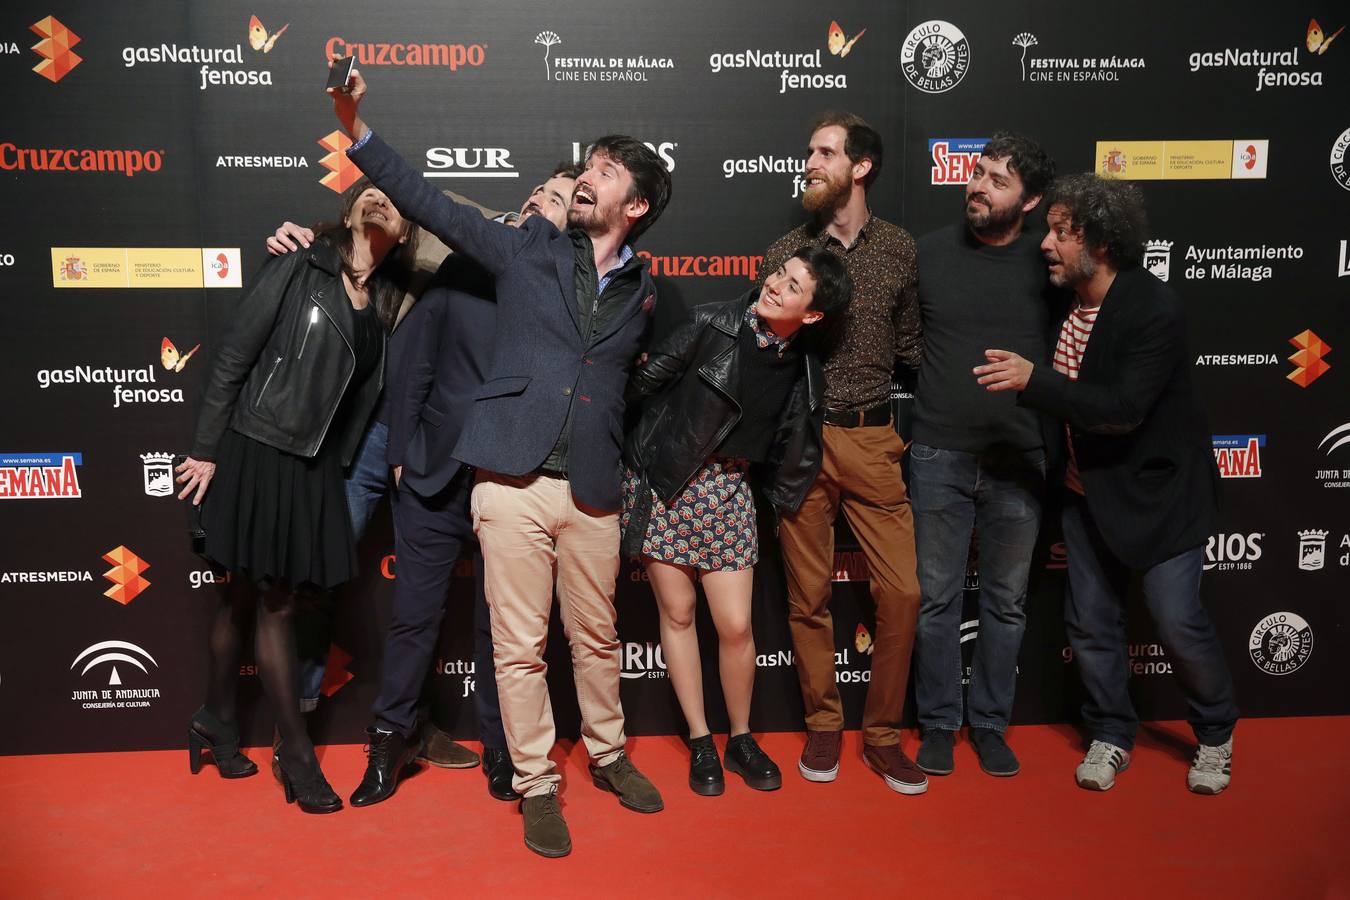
pixel 284 409
pixel 737 387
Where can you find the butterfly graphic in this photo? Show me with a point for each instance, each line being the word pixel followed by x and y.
pixel 169 358
pixel 1317 41
pixel 838 46
pixel 862 640
pixel 257 35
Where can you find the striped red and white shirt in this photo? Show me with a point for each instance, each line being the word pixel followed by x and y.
pixel 1069 350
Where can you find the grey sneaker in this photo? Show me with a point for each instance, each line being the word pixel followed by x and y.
pixel 1211 769
pixel 1098 770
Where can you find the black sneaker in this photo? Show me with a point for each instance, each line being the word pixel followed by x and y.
pixel 935 754
pixel 746 759
pixel 996 757
pixel 705 769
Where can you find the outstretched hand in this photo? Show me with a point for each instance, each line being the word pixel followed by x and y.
pixel 346 103
pixel 1006 371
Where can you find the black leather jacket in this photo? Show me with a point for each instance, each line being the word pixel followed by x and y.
pixel 282 370
pixel 683 424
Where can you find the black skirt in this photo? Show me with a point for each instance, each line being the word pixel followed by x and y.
pixel 277 518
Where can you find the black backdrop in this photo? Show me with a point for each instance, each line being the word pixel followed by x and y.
pixel 185 136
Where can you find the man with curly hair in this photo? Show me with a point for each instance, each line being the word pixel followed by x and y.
pixel 1140 481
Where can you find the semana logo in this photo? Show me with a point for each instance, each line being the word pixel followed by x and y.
pixel 1280 643
pixel 597 68
pixel 1243 158
pixel 1233 552
pixel 797 70
pixel 1339 170
pixel 746 267
pixel 1253 262
pixel 157 474
pixel 342 172
pixel 145 267
pixel 114 696
pixel 935 56
pixel 14 158
pixel 1274 68
pixel 399 53
pixel 1308 361
pixel 1049 69
pixel 954 159
pixel 469 162
pixel 40 476
pixel 127 581
pixel 1335 439
pixel 54 48
pixel 1238 455
pixel 641 660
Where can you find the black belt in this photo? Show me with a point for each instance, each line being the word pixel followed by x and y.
pixel 854 418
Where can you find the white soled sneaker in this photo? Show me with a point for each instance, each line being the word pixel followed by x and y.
pixel 1098 770
pixel 1211 769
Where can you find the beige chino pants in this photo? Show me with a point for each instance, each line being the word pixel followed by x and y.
pixel 534 534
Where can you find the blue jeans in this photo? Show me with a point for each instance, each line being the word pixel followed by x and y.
pixel 368 480
pixel 1094 617
pixel 999 494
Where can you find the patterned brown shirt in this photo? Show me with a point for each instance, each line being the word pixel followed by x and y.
pixel 881 325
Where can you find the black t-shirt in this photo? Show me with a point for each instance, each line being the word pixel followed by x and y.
pixel 766 378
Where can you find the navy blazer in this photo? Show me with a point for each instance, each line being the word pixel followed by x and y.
pixel 539 357
pixel 1138 431
pixel 439 357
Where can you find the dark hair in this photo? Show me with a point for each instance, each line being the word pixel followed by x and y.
pixel 834 288
pixel 567 170
pixel 1109 213
pixel 651 181
pixel 387 283
pixel 861 140
pixel 1025 157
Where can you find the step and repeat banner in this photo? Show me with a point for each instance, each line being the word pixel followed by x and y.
pixel 147 150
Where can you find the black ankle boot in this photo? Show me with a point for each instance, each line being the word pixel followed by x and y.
pixel 705 769
pixel 206 732
pixel 746 759
pixel 499 771
pixel 388 754
pixel 307 787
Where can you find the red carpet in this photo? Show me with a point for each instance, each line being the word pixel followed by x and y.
pixel 128 824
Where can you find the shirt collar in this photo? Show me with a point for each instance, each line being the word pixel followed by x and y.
pixel 823 236
pixel 764 337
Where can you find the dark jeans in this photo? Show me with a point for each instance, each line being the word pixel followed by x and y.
pixel 431 534
pixel 1094 617
pixel 368 480
pixel 999 494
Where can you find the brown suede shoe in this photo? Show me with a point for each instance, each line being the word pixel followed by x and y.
pixel 899 771
pixel 545 828
pixel 635 791
pixel 439 750
pixel 820 757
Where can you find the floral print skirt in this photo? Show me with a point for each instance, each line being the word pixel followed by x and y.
pixel 709 526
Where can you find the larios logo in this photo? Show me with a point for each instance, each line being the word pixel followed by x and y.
pixel 54 48
pixel 954 159
pixel 469 162
pixel 1232 552
pixel 118 378
pixel 704 266
pixel 1238 455
pixel 1274 68
pixel 641 660
pixel 798 70
pixel 40 476
pixel 663 149
pixel 1045 69
pixel 14 158
pixel 399 53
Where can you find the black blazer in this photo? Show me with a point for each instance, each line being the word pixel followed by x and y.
pixel 439 357
pixel 540 358
pixel 1138 432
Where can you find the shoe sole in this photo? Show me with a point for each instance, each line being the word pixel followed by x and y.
pixel 817 775
pixel 900 787
pixel 707 790
pixel 931 771
pixel 1206 790
pixel 551 854
pixel 1094 786
pixel 445 765
pixel 998 774
pixel 604 785
pixel 771 783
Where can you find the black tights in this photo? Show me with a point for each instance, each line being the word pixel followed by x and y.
pixel 242 602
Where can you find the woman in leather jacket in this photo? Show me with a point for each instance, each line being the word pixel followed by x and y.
pixel 283 411
pixel 735 386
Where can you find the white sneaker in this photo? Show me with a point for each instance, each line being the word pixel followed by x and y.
pixel 1211 769
pixel 1098 770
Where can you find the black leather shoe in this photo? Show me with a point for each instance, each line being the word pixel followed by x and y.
pixel 499 771
pixel 206 732
pixel 307 787
pixel 705 769
pixel 388 754
pixel 746 759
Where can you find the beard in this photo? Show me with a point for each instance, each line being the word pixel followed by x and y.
pixel 831 193
pixel 991 221
pixel 1075 273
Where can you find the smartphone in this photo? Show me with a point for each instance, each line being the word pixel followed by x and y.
pixel 341 71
